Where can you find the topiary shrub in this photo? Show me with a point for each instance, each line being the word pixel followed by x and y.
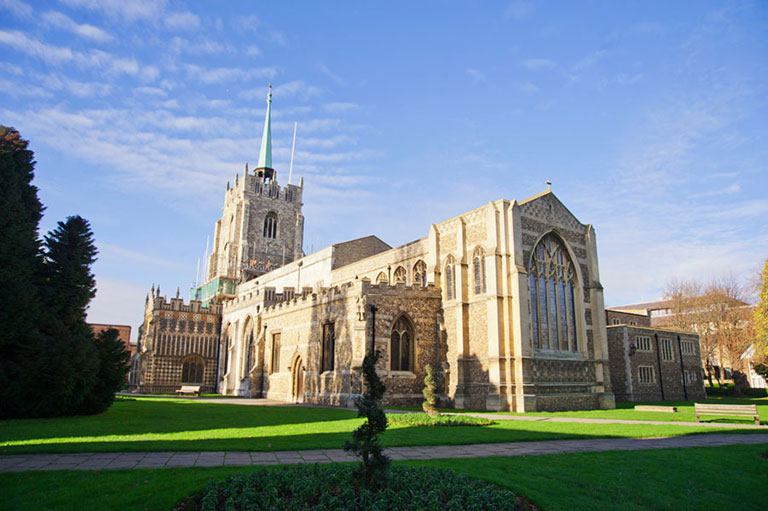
pixel 373 470
pixel 335 488
pixel 430 399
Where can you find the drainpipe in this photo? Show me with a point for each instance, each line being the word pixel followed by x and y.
pixel 682 371
pixel 658 359
pixel 263 365
pixel 373 310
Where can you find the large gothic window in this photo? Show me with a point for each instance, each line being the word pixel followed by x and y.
pixel 270 226
pixel 450 279
pixel 552 281
pixel 478 271
pixel 420 273
pixel 192 370
pixel 400 275
pixel 401 345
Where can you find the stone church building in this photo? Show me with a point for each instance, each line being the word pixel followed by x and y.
pixel 504 301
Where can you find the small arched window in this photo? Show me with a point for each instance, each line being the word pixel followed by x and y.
pixel 420 273
pixel 381 277
pixel 401 345
pixel 270 226
pixel 450 279
pixel 552 282
pixel 192 370
pixel 400 275
pixel 478 271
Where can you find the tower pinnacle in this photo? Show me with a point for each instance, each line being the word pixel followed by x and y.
pixel 265 155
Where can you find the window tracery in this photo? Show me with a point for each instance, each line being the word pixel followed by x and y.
pixel 478 270
pixel 420 273
pixel 400 275
pixel 450 279
pixel 552 282
pixel 270 226
pixel 401 345
pixel 192 370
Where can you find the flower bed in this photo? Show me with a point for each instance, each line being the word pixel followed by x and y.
pixel 333 487
pixel 422 419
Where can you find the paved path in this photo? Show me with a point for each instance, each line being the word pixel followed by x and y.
pixel 130 460
pixel 539 418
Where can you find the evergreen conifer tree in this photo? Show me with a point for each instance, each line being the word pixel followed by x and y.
pixel 67 288
pixel 430 398
pixel 374 469
pixel 20 213
pixel 113 367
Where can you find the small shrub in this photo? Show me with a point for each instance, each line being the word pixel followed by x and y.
pixel 335 488
pixel 373 470
pixel 422 419
pixel 430 399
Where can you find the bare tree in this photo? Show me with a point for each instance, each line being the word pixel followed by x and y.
pixel 718 312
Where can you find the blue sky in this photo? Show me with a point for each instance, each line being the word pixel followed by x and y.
pixel 648 117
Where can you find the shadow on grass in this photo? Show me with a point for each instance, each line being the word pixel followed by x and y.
pixel 130 417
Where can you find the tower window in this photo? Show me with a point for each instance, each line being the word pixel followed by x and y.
pixel 270 226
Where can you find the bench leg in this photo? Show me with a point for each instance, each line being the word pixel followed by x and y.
pixel 757 420
pixel 697 418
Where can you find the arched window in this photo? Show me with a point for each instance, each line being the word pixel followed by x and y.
pixel 381 277
pixel 450 279
pixel 250 359
pixel 192 370
pixel 552 281
pixel 401 346
pixel 400 275
pixel 329 348
pixel 225 348
pixel 270 226
pixel 478 271
pixel 420 273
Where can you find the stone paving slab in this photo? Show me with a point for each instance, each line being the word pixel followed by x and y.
pixel 100 461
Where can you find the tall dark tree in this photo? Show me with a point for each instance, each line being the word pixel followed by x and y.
pixel 67 288
pixel 113 368
pixel 20 213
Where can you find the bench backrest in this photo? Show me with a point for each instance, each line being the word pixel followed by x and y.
pixel 190 388
pixel 726 409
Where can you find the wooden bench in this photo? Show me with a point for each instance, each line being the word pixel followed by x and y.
pixel 727 410
pixel 656 408
pixel 189 389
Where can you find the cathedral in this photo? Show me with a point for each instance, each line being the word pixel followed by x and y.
pixel 504 302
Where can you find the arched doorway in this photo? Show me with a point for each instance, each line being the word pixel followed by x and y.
pixel 297 381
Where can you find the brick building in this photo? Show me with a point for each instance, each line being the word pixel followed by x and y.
pixel 650 363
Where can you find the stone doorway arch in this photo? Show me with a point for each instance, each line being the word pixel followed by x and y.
pixel 297 381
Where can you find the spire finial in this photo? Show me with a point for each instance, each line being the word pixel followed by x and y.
pixel 265 155
pixel 549 185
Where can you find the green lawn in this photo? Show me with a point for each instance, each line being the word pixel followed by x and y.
pixel 685 413
pixel 713 478
pixel 189 425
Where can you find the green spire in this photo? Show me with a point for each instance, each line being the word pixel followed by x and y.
pixel 265 156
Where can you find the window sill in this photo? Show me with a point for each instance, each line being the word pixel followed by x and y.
pixel 402 374
pixel 558 355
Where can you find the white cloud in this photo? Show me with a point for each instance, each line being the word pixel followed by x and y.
pixel 340 107
pixel 60 20
pixel 133 10
pixel 58 82
pixel 228 74
pixel 528 87
pixel 476 76
pixel 518 10
pixel 60 54
pixel 539 64
pixel 326 71
pixel 11 69
pixel 253 51
pixel 16 90
pixel 17 7
pixel 182 20
pixel 150 91
pixel 198 47
pixel 296 88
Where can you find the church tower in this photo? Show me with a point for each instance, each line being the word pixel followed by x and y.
pixel 261 227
